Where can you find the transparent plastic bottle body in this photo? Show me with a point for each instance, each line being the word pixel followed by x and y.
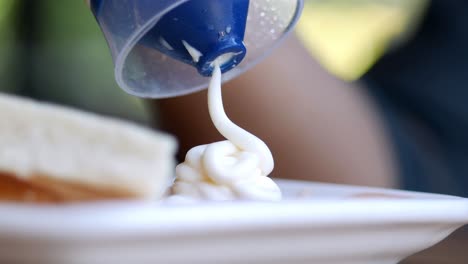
pixel 147 72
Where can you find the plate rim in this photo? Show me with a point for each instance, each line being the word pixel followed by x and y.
pixel 138 218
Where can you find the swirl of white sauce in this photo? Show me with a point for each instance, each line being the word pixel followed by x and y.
pixel 234 169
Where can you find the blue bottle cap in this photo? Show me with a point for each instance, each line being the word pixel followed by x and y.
pixel 212 27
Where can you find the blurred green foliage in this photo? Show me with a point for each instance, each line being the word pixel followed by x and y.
pixel 65 55
pixel 7 81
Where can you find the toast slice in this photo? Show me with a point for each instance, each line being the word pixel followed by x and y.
pixel 54 154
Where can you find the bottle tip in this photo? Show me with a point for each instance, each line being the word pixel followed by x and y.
pixel 228 54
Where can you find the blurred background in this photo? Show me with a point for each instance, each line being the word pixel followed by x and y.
pixel 53 50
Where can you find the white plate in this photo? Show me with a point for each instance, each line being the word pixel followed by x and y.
pixel 317 223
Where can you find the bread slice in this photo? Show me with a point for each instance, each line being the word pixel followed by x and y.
pixel 53 154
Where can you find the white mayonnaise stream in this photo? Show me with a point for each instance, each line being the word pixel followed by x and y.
pixel 235 169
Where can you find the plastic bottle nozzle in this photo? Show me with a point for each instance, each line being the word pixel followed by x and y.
pixel 211 28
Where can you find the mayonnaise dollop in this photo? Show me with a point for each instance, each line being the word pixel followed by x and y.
pixel 234 169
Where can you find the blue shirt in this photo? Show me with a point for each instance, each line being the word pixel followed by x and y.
pixel 422 91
